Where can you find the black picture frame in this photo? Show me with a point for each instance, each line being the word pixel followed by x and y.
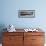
pixel 26 14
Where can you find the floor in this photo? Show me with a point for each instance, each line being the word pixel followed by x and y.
pixel 0 44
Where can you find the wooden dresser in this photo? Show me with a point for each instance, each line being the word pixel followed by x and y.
pixel 23 39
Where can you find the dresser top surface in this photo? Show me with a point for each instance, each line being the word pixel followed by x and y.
pixel 22 30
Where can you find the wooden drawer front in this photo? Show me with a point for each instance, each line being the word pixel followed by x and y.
pixel 13 33
pixel 37 39
pixel 33 33
pixel 27 41
pixel 33 40
pixel 20 44
pixel 37 45
pixel 13 40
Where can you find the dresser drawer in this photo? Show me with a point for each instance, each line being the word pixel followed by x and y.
pixel 12 39
pixel 34 33
pixel 13 44
pixel 13 33
pixel 37 44
pixel 37 39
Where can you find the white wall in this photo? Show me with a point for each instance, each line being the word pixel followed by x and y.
pixel 9 13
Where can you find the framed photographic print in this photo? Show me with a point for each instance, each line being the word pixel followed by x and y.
pixel 26 13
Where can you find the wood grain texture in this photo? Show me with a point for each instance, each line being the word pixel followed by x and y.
pixel 23 39
pixel 12 39
pixel 34 39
